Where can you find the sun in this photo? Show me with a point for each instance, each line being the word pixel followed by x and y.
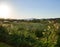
pixel 4 11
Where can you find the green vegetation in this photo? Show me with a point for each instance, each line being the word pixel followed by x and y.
pixel 4 45
pixel 33 33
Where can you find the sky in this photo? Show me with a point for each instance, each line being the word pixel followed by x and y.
pixel 22 9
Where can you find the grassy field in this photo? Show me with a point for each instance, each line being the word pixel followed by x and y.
pixel 4 45
pixel 30 34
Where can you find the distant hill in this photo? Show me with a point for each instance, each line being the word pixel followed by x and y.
pixel 28 19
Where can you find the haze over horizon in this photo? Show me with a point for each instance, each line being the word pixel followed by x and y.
pixel 22 9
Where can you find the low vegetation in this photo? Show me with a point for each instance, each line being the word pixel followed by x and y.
pixel 33 33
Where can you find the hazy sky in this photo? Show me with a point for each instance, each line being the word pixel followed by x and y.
pixel 34 8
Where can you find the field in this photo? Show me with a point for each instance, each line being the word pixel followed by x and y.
pixel 35 33
pixel 4 45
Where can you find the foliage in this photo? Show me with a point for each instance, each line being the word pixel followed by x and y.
pixel 43 33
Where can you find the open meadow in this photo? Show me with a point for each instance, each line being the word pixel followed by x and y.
pixel 44 33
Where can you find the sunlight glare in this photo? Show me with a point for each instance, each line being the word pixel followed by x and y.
pixel 4 10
